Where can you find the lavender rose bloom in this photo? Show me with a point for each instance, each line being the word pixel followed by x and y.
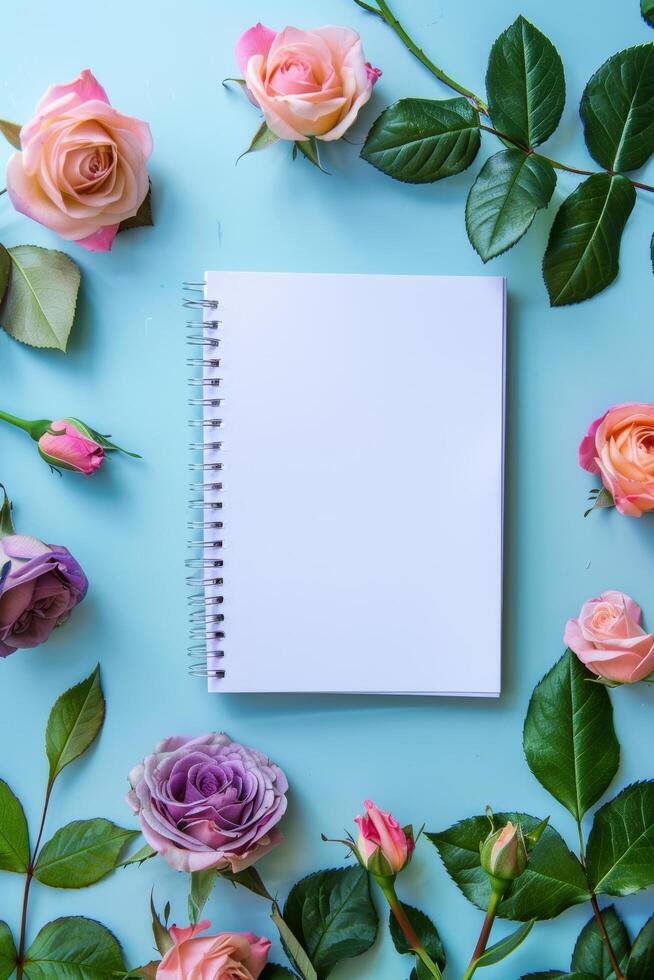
pixel 40 588
pixel 208 802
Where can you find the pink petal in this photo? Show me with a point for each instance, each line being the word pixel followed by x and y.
pixel 84 88
pixel 588 450
pixel 257 40
pixel 101 240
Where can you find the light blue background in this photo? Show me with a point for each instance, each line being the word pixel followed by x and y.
pixel 428 760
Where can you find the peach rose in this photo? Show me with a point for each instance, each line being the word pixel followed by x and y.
pixel 620 447
pixel 227 956
pixel 307 83
pixel 82 165
pixel 609 639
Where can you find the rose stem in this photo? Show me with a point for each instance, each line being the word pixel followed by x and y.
pixel 596 909
pixel 3 191
pixel 484 935
pixel 388 888
pixel 386 14
pixel 14 420
pixel 28 882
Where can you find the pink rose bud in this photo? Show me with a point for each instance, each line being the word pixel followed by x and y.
pixel 383 847
pixel 503 854
pixel 70 446
pixel 609 639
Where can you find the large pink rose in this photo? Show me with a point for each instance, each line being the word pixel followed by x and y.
pixel 307 83
pixel 609 639
pixel 620 447
pixel 227 956
pixel 82 165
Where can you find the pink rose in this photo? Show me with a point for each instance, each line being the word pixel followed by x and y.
pixel 71 448
pixel 227 956
pixel 620 447
pixel 82 165
pixel 383 846
pixel 307 83
pixel 609 639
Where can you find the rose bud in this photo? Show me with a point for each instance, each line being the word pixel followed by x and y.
pixel 504 854
pixel 384 847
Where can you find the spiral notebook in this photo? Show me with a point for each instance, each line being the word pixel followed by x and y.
pixel 346 510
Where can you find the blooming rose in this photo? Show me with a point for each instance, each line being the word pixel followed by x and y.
pixel 208 802
pixel 82 165
pixel 609 639
pixel 227 956
pixel 383 846
pixel 307 83
pixel 71 448
pixel 620 447
pixel 43 584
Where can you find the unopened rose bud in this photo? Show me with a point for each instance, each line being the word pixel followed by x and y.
pixel 503 854
pixel 383 847
pixel 68 444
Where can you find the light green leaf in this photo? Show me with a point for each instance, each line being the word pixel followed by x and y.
pixel 641 960
pixel 309 149
pixel 500 950
pixel 74 723
pixel 202 883
pixel 273 971
pixel 81 853
pixel 39 304
pixel 143 217
pixel 332 914
pixel 583 252
pixel 162 938
pixel 7 952
pixel 292 946
pixel 617 110
pixel 620 858
pixel 525 84
pixel 601 500
pixel 138 857
pixel 11 132
pixel 74 948
pixel 5 271
pixel 14 836
pixel 262 139
pixel 590 955
pixel 504 199
pixel 424 929
pixel 554 879
pixel 421 140
pixel 569 738
pixel 647 10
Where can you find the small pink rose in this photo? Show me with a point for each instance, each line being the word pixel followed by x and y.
pixel 67 446
pixel 620 447
pixel 381 836
pixel 609 639
pixel 227 956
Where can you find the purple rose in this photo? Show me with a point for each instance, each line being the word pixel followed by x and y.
pixel 42 585
pixel 208 802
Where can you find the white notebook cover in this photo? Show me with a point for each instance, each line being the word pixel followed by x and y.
pixel 362 463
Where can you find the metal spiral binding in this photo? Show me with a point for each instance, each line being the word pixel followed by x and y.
pixel 205 565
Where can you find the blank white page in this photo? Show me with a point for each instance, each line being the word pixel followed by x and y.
pixel 362 457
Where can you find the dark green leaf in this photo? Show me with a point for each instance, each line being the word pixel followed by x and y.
pixel 420 140
pixel 647 10
pixel 5 271
pixel 143 217
pixel 617 109
pixel 332 914
pixel 424 929
pixel 569 738
pixel 7 952
pixel 39 304
pixel 202 883
pixel 273 971
pixel 74 949
pixel 500 950
pixel 420 971
pixel 82 853
pixel 525 84
pixel 162 938
pixel 292 946
pixel 248 878
pixel 504 199
pixel 583 252
pixel 641 961
pixel 547 975
pixel 590 955
pixel 14 837
pixel 554 879
pixel 11 132
pixel 620 857
pixel 74 723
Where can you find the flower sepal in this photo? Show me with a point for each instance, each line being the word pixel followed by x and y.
pixel 6 524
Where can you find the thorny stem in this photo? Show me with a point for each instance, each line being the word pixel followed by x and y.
pixel 388 888
pixel 20 961
pixel 596 911
pixel 484 935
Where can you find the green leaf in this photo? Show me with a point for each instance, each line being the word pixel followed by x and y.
pixel 162 938
pixel 309 150
pixel 262 139
pixel 525 84
pixel 547 975
pixel 248 878
pixel 617 110
pixel 138 857
pixel 202 883
pixel 74 948
pixel 143 217
pixel 292 946
pixel 14 836
pixel 602 500
pixel 332 914
pixel 647 10
pixel 421 140
pixel 499 951
pixel 504 199
pixel 424 929
pixel 74 723
pixel 39 304
pixel 641 960
pixel 273 971
pixel 569 738
pixel 7 952
pixel 554 879
pixel 620 858
pixel 5 271
pixel 583 251
pixel 590 955
pixel 11 132
pixel 81 853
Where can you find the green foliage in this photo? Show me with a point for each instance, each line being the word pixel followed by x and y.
pixel 39 303
pixel 75 948
pixel 82 853
pixel 7 952
pixel 292 946
pixel 14 837
pixel 617 110
pixel 262 139
pixel 590 953
pixel 569 738
pixel 202 883
pixel 620 857
pixel 74 723
pixel 424 929
pixel 641 960
pixel 273 971
pixel 583 251
pixel 500 950
pixel 525 84
pixel 504 199
pixel 143 217
pixel 5 271
pixel 421 140
pixel 332 914
pixel 647 10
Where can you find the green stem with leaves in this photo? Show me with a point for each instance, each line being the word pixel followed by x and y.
pixel 20 960
pixel 387 886
pixel 484 935
pixel 613 960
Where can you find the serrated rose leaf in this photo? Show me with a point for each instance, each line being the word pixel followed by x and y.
pixel 40 300
pixel 14 836
pixel 81 853
pixel 7 952
pixel 641 960
pixel 620 856
pixel 74 723
pixel 75 948
pixel 647 10
pixel 590 955
pixel 424 929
